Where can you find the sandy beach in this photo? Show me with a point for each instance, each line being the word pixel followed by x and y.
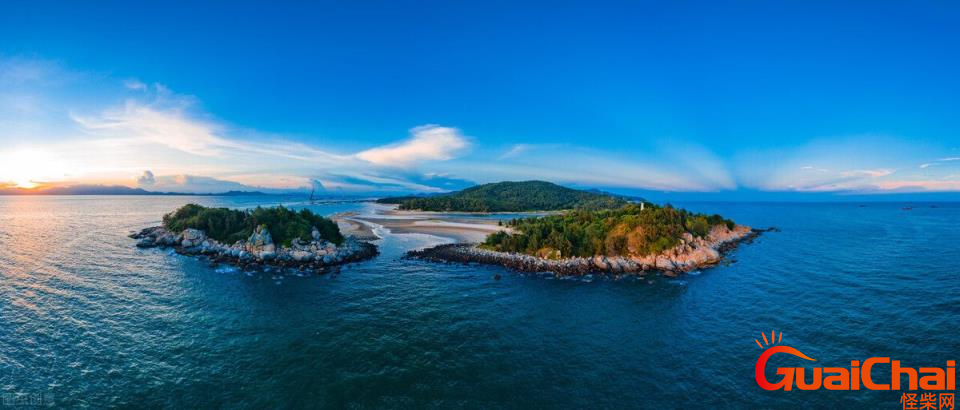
pixel 462 229
pixel 350 226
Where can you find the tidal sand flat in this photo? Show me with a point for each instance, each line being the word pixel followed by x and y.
pixel 463 229
pixel 356 228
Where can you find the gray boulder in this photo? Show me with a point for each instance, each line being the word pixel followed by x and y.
pixel 260 237
pixel 146 242
pixel 192 237
pixel 168 239
pixel 302 256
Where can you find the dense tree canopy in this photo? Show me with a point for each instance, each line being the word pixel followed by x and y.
pixel 626 231
pixel 230 225
pixel 510 197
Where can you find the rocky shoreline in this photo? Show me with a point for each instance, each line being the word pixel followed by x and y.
pixel 692 253
pixel 259 250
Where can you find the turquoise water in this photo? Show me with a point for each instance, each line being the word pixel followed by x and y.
pixel 86 319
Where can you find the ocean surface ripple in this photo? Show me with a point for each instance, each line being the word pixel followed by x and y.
pixel 88 320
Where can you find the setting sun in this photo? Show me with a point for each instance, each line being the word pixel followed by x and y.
pixel 26 184
pixel 28 169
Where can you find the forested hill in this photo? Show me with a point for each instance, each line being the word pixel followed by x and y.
pixel 510 197
pixel 626 231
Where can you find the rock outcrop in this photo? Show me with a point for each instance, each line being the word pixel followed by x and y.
pixel 259 249
pixel 690 254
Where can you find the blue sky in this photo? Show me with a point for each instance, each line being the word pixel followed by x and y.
pixel 371 97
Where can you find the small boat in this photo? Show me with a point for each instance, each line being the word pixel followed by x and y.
pixel 907 208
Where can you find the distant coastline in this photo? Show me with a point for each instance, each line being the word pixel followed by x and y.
pixel 114 190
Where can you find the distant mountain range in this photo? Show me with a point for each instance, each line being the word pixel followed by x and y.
pixel 510 197
pixel 111 190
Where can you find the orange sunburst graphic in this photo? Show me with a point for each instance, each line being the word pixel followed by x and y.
pixel 770 351
pixel 773 340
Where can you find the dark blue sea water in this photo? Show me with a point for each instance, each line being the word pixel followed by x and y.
pixel 86 319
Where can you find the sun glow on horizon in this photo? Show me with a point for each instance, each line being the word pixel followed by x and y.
pixel 27 169
pixel 26 184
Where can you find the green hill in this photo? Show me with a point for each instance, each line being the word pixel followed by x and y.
pixel 510 197
pixel 229 225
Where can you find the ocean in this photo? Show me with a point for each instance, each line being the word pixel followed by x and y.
pixel 88 320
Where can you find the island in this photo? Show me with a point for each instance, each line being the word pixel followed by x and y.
pixel 509 196
pixel 274 236
pixel 633 239
pixel 577 233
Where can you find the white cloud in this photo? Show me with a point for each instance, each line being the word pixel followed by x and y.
pixel 515 150
pixel 939 162
pixel 136 122
pixel 167 133
pixel 146 179
pixel 872 173
pixel 197 185
pixel 853 163
pixel 22 70
pixel 166 121
pixel 135 84
pixel 697 164
pixel 367 183
pixel 427 143
pixel 672 170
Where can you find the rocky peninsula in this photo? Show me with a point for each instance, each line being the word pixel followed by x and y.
pixel 583 232
pixel 319 250
pixel 689 254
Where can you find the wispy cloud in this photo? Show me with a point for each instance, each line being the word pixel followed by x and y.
pixel 133 125
pixel 515 150
pixel 164 130
pixel 938 162
pixel 872 173
pixel 193 184
pixel 18 71
pixel 668 170
pixel 427 143
pixel 919 186
pixel 137 123
pixel 135 84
